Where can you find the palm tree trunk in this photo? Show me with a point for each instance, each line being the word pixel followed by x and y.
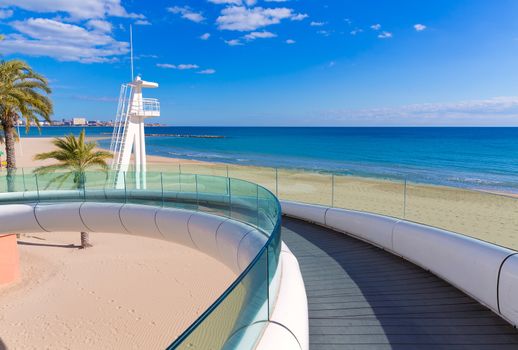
pixel 10 155
pixel 85 240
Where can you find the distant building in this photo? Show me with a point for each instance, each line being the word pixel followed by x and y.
pixel 79 121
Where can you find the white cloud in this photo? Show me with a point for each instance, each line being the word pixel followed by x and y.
pixel 244 19
pixel 376 26
pixel 233 42
pixel 142 22
pixel 166 65
pixel 178 66
pixel 187 13
pixel 317 24
pixel 356 31
pixel 78 9
pixel 385 35
pixel 276 0
pixel 48 29
pixel 331 64
pixel 419 27
pixel 62 41
pixel 226 2
pixel 324 32
pixel 491 111
pixel 205 36
pixel 259 35
pixel 6 14
pixel 299 17
pixel 100 25
pixel 290 41
pixel 207 71
pixel 234 2
pixel 187 66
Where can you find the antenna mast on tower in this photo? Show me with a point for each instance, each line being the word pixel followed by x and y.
pixel 131 52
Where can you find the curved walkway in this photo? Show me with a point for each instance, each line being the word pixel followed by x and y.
pixel 361 297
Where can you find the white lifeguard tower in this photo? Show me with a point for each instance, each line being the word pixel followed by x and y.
pixel 128 137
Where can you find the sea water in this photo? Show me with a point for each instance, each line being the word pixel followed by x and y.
pixel 482 158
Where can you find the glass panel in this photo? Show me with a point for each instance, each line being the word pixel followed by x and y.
pixel 230 325
pixel 213 194
pixel 205 169
pixel 61 186
pixel 379 196
pixel 486 216
pixel 306 187
pixel 244 201
pixel 180 190
pixel 274 275
pixel 260 175
pixel 18 187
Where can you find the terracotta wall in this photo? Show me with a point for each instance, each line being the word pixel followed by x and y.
pixel 9 259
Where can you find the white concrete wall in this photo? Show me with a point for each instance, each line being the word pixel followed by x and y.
pixel 288 327
pixel 486 272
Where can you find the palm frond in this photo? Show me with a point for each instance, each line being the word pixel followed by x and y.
pixel 74 156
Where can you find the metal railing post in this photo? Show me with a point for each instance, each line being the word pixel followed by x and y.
pixel 23 178
pixel 277 182
pixel 84 187
pixel 229 198
pixel 37 187
pixel 125 188
pixel 257 204
pixel 404 197
pixel 268 281
pixel 332 190
pixel 162 187
pixel 197 196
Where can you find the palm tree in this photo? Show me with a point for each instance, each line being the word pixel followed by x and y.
pixel 75 157
pixel 23 95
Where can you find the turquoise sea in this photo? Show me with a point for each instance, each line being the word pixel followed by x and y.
pixel 481 158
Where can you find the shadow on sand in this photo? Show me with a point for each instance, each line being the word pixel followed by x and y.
pixel 361 297
pixel 2 345
pixel 73 246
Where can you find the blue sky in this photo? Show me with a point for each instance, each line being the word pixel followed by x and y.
pixel 291 62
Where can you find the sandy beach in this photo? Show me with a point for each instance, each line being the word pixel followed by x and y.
pixel 124 293
pixel 68 299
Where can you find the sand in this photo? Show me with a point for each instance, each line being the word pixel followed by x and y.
pixel 124 293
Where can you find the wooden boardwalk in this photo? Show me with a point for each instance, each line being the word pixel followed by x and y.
pixel 361 297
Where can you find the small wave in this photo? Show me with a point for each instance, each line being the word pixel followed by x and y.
pixel 188 136
pixel 473 180
pixel 198 155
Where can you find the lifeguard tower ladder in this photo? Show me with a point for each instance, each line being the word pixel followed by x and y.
pixel 128 138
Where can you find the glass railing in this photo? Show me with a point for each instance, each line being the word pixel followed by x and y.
pixel 237 319
pixel 485 215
